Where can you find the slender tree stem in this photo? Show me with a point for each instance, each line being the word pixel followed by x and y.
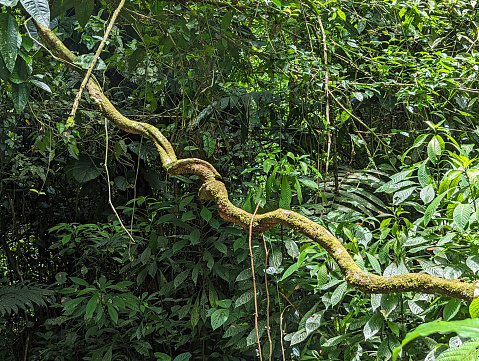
pixel 254 281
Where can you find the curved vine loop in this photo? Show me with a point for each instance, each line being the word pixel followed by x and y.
pixel 213 188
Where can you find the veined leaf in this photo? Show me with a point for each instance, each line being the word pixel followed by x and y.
pixel 464 328
pixel 219 317
pixel 338 293
pixel 373 325
pixel 451 309
pixel 423 174
pixel 91 306
pixel 402 195
pixel 39 10
pixel 286 195
pixel 435 148
pixel 461 215
pixel 427 194
pixel 431 209
pixel 466 351
pixel 19 95
pixel 10 40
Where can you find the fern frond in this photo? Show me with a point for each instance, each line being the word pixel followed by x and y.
pixel 23 296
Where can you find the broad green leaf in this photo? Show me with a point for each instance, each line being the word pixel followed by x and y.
pixel 19 95
pixel 219 317
pixel 224 303
pixel 9 3
pixel 83 11
pixel 160 356
pixel 336 340
pixel 91 306
pixel 206 214
pixel 195 236
pixel 431 209
pixel 286 195
pixel 10 40
pixel 374 263
pixel 84 170
pixel 313 322
pixel 20 72
pixel 322 275
pixel 80 281
pixel 38 9
pixel 244 298
pixel 402 195
pixel 341 14
pixel 292 248
pixel 113 313
pixel 269 185
pixel 309 183
pixel 226 20
pixel 267 164
pixel 474 308
pixel 464 328
pixel 291 269
pixel 297 188
pixel 298 336
pixel 361 25
pixel 344 116
pixel 415 241
pixel 461 215
pixel 373 325
pixel 451 309
pixel 423 174
pixel 435 148
pixel 108 354
pixel 195 313
pixel 473 263
pixel 180 278
pixel 183 357
pixel 277 3
pixel 418 142
pixel 389 302
pixel 338 293
pixel 427 194
pixel 72 304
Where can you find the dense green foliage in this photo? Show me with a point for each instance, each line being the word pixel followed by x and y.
pixel 370 133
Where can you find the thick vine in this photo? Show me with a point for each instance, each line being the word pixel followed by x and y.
pixel 214 188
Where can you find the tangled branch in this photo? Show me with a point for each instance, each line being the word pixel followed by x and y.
pixel 213 188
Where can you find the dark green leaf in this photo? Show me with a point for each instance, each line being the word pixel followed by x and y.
pixel 219 317
pixel 83 11
pixel 19 95
pixel 286 195
pixel 10 40
pixel 373 325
